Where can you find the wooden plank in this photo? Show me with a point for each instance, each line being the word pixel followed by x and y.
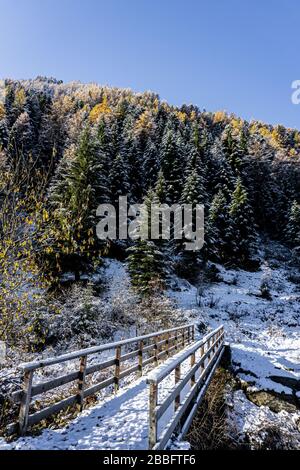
pixel 193 362
pixel 129 371
pixel 102 365
pixel 177 379
pixel 200 396
pixel 54 383
pixel 162 407
pixel 25 402
pixel 163 440
pixel 95 349
pixel 81 381
pixel 140 352
pixel 149 360
pixel 99 386
pixel 117 368
pixel 52 409
pixel 153 394
pixel 129 355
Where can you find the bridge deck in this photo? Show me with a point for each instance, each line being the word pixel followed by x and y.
pixel 120 422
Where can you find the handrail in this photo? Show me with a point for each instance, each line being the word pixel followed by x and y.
pixel 157 375
pixel 197 377
pixel 163 345
pixel 27 366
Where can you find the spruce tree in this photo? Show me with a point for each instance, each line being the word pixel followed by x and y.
pixel 292 231
pixel 119 178
pixel 145 266
pixel 171 165
pixel 73 198
pixel 150 165
pixel 242 234
pixel 216 228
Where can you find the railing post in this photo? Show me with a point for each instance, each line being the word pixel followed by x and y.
pixel 208 347
pixel 177 379
pixel 189 335
pixel 202 366
pixel 140 371
pixel 193 362
pixel 25 402
pixel 167 344
pixel 155 351
pixel 117 368
pixel 193 332
pixel 183 337
pixel 152 415
pixel 176 340
pixel 81 380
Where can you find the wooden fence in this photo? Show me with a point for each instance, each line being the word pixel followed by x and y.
pixel 193 370
pixel 148 348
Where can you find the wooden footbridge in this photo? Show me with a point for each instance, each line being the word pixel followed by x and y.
pixel 173 389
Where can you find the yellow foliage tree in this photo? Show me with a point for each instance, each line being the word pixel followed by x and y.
pixel 100 108
pixel 219 116
pixel 144 122
pixel 20 99
pixel 2 111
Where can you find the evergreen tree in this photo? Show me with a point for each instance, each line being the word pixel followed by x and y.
pixel 171 166
pixel 242 234
pixel 150 165
pixel 216 228
pixel 160 189
pixel 292 231
pixel 145 266
pixel 73 198
pixel 119 178
pixel 233 151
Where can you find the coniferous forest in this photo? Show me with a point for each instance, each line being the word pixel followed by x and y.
pixel 66 148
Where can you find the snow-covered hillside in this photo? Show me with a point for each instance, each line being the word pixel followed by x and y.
pixel 264 339
pixel 261 314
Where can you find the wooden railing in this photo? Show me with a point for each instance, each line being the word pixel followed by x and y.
pixel 191 381
pixel 148 348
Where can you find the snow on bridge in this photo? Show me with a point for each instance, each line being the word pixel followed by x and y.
pixel 146 413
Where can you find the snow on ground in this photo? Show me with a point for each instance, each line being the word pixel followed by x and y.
pixel 118 423
pixel 263 334
pixel 265 343
pixel 264 339
pixel 254 423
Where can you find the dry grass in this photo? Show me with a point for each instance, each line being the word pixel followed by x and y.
pixel 209 430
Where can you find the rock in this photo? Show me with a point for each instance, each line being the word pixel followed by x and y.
pixel 274 401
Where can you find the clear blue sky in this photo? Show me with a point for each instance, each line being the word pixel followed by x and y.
pixel 236 55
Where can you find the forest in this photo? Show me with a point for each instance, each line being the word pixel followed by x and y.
pixel 66 148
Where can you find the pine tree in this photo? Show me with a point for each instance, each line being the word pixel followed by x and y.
pixel 292 231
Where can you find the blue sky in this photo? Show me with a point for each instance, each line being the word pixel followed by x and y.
pixel 241 56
